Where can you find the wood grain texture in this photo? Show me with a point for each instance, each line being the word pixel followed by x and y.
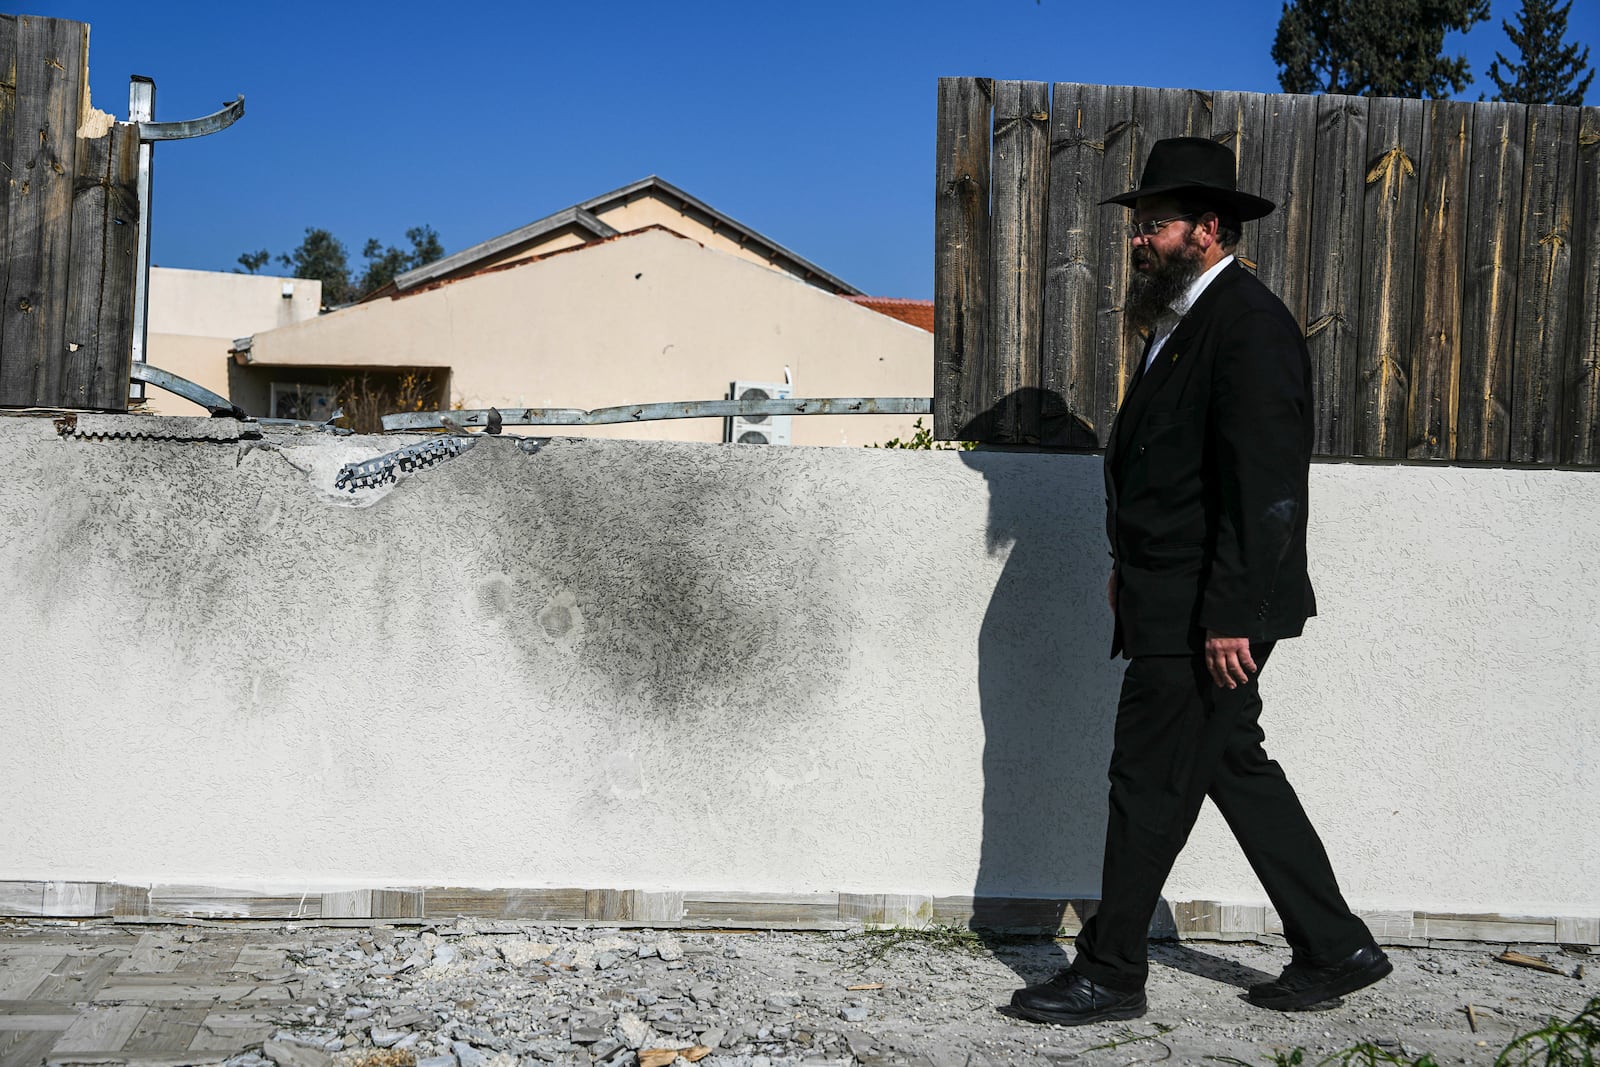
pixel 76 979
pixel 1484 927
pixel 8 115
pixel 961 254
pixel 1120 165
pixel 1334 276
pixel 211 902
pixel 100 287
pixel 100 1027
pixel 1288 163
pixel 1581 418
pixel 1489 294
pixel 552 905
pixel 165 1028
pixel 1238 120
pixel 25 1048
pixel 1544 269
pixel 52 83
pixel 1068 414
pixel 1384 335
pixel 1020 173
pixel 21 974
pixel 1436 342
pixel 908 910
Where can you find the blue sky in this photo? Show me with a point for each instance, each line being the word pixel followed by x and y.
pixel 813 122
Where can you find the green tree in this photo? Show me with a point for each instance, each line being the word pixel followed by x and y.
pixel 386 264
pixel 1550 68
pixel 322 257
pixel 1373 47
pixel 252 262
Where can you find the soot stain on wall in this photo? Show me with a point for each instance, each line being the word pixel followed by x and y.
pixel 638 574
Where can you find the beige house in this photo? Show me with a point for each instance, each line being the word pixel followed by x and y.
pixel 197 315
pixel 642 295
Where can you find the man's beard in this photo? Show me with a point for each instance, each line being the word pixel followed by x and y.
pixel 1151 292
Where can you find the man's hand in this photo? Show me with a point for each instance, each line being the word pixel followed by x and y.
pixel 1111 592
pixel 1228 660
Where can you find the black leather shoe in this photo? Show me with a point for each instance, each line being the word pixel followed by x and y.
pixel 1301 985
pixel 1072 1000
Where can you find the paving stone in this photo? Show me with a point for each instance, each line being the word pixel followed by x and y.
pixel 286 1055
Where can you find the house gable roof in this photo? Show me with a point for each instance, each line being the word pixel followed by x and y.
pixel 584 221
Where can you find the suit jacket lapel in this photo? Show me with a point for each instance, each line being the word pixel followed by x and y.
pixel 1127 396
pixel 1150 383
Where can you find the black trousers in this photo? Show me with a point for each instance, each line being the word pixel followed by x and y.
pixel 1179 739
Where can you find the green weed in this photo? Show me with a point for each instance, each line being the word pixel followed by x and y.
pixel 1573 1043
pixel 877 944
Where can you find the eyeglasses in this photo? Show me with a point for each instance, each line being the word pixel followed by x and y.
pixel 1154 226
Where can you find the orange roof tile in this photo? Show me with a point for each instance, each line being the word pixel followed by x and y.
pixel 918 313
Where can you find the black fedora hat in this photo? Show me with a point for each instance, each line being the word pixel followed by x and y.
pixel 1195 165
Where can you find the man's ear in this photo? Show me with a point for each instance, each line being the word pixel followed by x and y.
pixel 1205 229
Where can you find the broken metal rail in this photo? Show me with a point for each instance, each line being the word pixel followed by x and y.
pixel 491 419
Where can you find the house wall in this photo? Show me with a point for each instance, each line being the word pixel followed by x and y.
pixel 747 673
pixel 195 316
pixel 644 211
pixel 644 318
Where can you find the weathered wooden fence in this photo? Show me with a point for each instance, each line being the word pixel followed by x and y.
pixel 1443 258
pixel 68 227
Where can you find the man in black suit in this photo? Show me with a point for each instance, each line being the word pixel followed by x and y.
pixel 1206 501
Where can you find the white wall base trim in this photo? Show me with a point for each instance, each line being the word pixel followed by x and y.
pixel 1205 920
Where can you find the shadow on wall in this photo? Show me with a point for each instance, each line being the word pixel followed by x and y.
pixel 1048 690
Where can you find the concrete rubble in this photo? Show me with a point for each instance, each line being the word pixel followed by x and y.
pixel 492 994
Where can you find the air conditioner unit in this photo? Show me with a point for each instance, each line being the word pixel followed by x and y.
pixel 759 429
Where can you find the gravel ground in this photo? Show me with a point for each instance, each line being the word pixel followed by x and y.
pixel 520 995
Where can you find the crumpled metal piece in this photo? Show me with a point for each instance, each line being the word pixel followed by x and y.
pixel 155 427
pixel 387 468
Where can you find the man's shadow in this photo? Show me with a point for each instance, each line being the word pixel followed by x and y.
pixel 1048 693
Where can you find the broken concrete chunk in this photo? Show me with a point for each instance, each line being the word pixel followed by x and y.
pixel 631 1031
pixel 286 1055
pixel 520 953
pixel 669 949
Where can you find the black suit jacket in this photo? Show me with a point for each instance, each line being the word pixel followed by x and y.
pixel 1206 478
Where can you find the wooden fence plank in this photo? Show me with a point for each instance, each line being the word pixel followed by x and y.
pixel 1068 415
pixel 8 114
pixel 1020 171
pixel 1238 120
pixel 105 228
pixel 52 67
pixel 1333 302
pixel 1174 113
pixel 1288 160
pixel 1447 218
pixel 961 253
pixel 1489 293
pixel 1544 268
pixel 1427 248
pixel 1581 430
pixel 1384 364
pixel 1125 148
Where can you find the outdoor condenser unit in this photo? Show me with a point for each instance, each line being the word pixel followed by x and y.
pixel 759 429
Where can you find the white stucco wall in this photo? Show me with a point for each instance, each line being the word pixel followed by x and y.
pixel 663 665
